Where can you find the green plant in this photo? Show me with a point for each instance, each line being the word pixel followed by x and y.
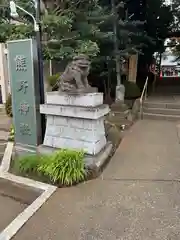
pixel 12 132
pixel 131 90
pixel 53 79
pixel 8 106
pixel 27 164
pixel 65 166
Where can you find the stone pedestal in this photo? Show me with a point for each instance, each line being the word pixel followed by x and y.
pixel 75 121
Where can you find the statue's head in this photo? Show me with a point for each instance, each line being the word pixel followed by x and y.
pixel 82 61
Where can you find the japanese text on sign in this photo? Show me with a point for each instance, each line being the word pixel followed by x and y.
pixel 24 108
pixel 21 64
pixel 25 129
pixel 23 85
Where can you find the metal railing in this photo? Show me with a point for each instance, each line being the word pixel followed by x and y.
pixel 143 97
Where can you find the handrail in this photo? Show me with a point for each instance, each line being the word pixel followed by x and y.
pixel 143 95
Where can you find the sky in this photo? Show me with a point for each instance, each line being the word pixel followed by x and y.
pixel 168 1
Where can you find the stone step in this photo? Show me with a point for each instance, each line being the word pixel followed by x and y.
pixel 5 123
pixel 161 117
pixel 161 105
pixel 164 111
pixel 4 135
pixel 2 109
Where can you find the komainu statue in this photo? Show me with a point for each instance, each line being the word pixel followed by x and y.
pixel 74 79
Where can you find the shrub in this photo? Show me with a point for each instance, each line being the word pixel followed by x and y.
pixel 53 79
pixel 8 106
pixel 27 164
pixel 64 167
pixel 131 90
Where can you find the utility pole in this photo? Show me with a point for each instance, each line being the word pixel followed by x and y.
pixel 40 60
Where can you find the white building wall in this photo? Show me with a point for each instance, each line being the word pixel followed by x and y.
pixel 4 78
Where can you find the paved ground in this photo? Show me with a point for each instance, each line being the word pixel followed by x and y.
pixel 17 192
pixel 5 123
pixel 9 209
pixel 14 198
pixel 136 198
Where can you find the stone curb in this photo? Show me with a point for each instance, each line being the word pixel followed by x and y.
pixel 23 217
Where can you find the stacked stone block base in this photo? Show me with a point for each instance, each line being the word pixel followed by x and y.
pixel 75 121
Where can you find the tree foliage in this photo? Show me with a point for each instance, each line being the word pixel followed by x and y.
pixel 158 20
pixel 175 43
pixel 87 26
pixel 176 14
pixel 69 27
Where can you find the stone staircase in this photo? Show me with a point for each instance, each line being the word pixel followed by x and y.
pixel 5 123
pixel 162 111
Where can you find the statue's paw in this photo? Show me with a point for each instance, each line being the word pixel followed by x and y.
pixel 81 88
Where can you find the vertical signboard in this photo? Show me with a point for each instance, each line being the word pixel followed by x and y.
pixel 133 62
pixel 22 61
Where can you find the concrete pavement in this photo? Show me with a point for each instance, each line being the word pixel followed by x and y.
pixel 136 197
pixel 5 124
pixel 9 209
pixel 150 151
